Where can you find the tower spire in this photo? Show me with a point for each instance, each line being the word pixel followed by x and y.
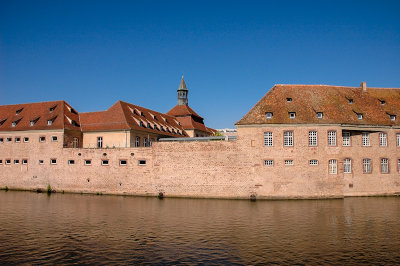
pixel 182 93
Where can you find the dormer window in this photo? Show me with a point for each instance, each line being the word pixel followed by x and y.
pixel 155 117
pixel 156 127
pixel 74 123
pixel 360 116
pixel 50 121
pixel 135 112
pixel 173 130
pixel 289 100
pixel 383 102
pixel 19 111
pixel 178 131
pixel 15 123
pixel 292 115
pixel 148 125
pixel 162 128
pixel 2 121
pixel 53 108
pixel 141 113
pixel 350 101
pixel 141 124
pixel 269 115
pixel 33 122
pixel 393 117
pixel 320 115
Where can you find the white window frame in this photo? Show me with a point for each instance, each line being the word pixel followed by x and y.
pixel 288 139
pixel 292 115
pixel 26 139
pixel 393 117
pixel 313 162
pixel 105 162
pixel 366 139
pixel 360 116
pixel 331 138
pixel 123 164
pixel 382 139
pixel 99 142
pixel 24 161
pixel 16 161
pixel 367 166
pixel 289 162
pixel 142 162
pixel 398 165
pixel 333 167
pixel 8 161
pixel 269 163
pixel 137 142
pixel 312 138
pixel 53 159
pixel 41 161
pixel 347 166
pixel 346 138
pixel 384 165
pixel 17 139
pixel 268 139
pixel 87 162
pixel 320 115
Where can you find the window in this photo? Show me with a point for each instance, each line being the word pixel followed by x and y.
pixel 41 162
pixel 16 161
pixel 9 139
pixel 19 111
pixel 49 122
pixel 398 139
pixel 398 165
pixel 332 138
pixel 383 102
pixel 104 162
pixel 269 115
pixel 53 161
pixel 1 140
pixel 288 138
pixel 393 117
pixel 347 165
pixel 25 161
pixel 360 116
pixel 365 139
pixel 288 162
pixel 13 124
pixel 8 161
pixel 346 138
pixel 71 162
pixel 320 115
pixel 2 121
pixel 145 142
pixel 88 162
pixel 333 167
pixel 292 114
pixel 382 139
pixel 1 161
pixel 148 125
pixel 123 162
pixel 313 162
pixel 312 138
pixel 268 139
pixel 42 139
pixel 26 139
pixel 142 162
pixel 137 143
pixel 289 100
pixel 367 168
pixel 54 138
pixel 269 162
pixel 141 124
pixel 52 108
pixel 384 165
pixel 17 139
pixel 99 142
pixel 75 143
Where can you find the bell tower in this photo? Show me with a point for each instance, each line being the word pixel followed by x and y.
pixel 182 93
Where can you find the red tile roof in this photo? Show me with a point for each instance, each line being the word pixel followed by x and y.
pixel 63 116
pixel 189 119
pixel 332 101
pixel 126 116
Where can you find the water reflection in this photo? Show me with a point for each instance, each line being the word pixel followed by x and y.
pixel 65 229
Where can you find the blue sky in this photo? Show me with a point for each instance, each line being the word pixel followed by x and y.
pixel 93 53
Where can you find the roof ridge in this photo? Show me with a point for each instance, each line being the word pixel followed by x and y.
pixel 33 103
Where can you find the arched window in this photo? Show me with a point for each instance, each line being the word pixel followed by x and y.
pixel 145 142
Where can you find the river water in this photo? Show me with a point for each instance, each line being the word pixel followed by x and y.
pixel 89 229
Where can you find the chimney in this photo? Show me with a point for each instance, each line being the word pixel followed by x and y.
pixel 364 86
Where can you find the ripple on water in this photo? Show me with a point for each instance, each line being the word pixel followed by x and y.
pixel 67 229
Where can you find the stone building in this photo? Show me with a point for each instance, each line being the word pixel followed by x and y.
pixel 126 125
pixel 191 122
pixel 348 136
